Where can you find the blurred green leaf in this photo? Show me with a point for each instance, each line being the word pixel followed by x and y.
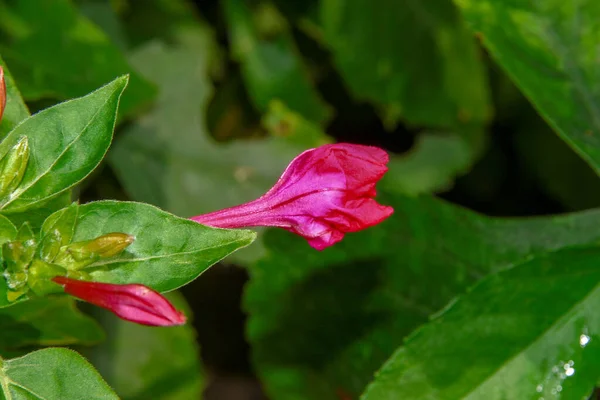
pixel 548 48
pixel 54 52
pixel 414 60
pixel 142 362
pixel 529 332
pixel 321 323
pixel 168 251
pixel 46 322
pixel 16 110
pixel 168 159
pixel 66 143
pixel 52 374
pixel 272 68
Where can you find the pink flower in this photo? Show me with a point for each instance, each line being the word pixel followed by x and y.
pixel 135 303
pixel 2 93
pixel 323 194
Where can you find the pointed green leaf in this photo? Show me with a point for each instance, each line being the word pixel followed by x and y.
pixel 321 323
pixel 66 143
pixel 52 374
pixel 168 251
pixel 548 48
pixel 530 332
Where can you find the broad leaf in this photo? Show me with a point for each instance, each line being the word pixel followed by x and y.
pixel 54 52
pixel 46 322
pixel 52 374
pixel 16 110
pixel 66 143
pixel 272 68
pixel 147 363
pixel 547 48
pixel 168 251
pixel 414 60
pixel 529 332
pixel 321 323
pixel 168 159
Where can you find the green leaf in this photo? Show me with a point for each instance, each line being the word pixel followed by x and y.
pixel 272 69
pixel 52 374
pixel 66 143
pixel 526 333
pixel 16 110
pixel 56 53
pixel 168 159
pixel 321 323
pixel 46 322
pixel 547 48
pixel 148 363
pixel 414 60
pixel 168 251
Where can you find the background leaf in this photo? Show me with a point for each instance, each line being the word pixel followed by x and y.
pixel 414 60
pixel 52 374
pixel 57 53
pixel 271 67
pixel 547 48
pixel 510 337
pixel 168 251
pixel 143 362
pixel 321 323
pixel 46 322
pixel 66 143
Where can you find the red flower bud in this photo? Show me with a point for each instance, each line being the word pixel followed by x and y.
pixel 135 303
pixel 2 93
pixel 323 194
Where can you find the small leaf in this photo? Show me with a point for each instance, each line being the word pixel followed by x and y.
pixel 52 374
pixel 168 251
pixel 529 332
pixel 549 49
pixel 66 143
pixel 46 322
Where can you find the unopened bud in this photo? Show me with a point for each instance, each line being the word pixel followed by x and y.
pixel 105 246
pixel 12 166
pixel 2 93
pixel 50 246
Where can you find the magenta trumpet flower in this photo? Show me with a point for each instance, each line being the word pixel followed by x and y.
pixel 323 194
pixel 135 303
pixel 2 93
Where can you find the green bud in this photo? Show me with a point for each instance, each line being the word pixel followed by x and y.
pixel 40 275
pixel 105 246
pixel 50 246
pixel 12 167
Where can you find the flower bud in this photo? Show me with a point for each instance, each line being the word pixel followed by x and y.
pixel 13 166
pixel 2 93
pixel 135 303
pixel 323 194
pixel 104 246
